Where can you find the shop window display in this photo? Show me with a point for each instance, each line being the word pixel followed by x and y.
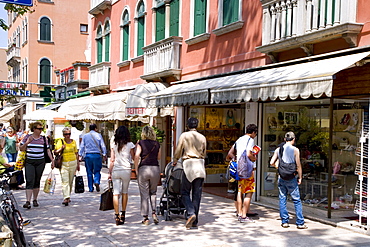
pixel 310 121
pixel 222 126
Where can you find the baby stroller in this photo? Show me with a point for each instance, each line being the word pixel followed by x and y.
pixel 171 201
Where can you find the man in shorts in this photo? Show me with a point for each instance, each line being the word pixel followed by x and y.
pixel 246 187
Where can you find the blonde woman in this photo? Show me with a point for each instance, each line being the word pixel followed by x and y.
pixel 70 163
pixel 147 170
pixel 35 163
pixel 122 152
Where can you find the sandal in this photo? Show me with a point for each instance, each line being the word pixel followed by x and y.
pixel 35 203
pixel 118 220
pixel 145 222
pixel 65 202
pixel 123 217
pixel 27 205
pixel 155 218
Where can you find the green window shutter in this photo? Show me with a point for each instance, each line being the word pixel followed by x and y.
pixel 107 46
pixel 160 23
pixel 125 39
pixel 200 8
pixel 140 36
pixel 45 71
pixel 174 17
pixel 230 11
pixel 45 29
pixel 99 50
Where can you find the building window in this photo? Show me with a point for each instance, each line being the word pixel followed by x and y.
pixel 106 41
pixel 230 11
pixel 18 37
pixel 140 28
pixel 125 35
pixel 160 17
pixel 200 15
pixel 99 44
pixel 174 17
pixel 71 76
pixel 83 28
pixel 45 71
pixel 45 29
pixel 160 22
pixel 24 70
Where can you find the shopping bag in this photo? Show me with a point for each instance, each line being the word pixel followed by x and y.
pixel 50 182
pixel 21 159
pixel 106 198
pixel 79 184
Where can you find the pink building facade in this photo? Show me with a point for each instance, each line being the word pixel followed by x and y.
pixel 285 65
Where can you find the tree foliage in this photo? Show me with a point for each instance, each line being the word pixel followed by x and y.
pixel 19 9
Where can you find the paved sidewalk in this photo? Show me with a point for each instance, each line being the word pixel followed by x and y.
pixel 82 224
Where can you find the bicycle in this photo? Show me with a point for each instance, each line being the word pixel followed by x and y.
pixel 10 211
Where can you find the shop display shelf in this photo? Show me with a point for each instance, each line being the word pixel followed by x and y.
pixel 361 208
pixel 363 171
pixel 358 187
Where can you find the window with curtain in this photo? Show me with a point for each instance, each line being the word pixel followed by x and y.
pixel 106 41
pixel 125 35
pixel 45 71
pixel 140 28
pixel 99 45
pixel 200 15
pixel 45 29
pixel 230 11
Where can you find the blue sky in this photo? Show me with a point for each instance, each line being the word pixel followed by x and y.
pixel 3 34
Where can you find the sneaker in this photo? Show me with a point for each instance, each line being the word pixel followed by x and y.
pixel 302 227
pixel 97 186
pixel 246 220
pixel 190 221
pixel 284 225
pixel 27 205
pixel 35 203
pixel 239 218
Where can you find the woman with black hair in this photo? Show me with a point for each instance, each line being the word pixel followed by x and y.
pixel 122 152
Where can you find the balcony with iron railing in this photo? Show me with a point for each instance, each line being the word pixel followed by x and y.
pixel 99 76
pixel 162 59
pixel 13 56
pixel 289 24
pixel 98 6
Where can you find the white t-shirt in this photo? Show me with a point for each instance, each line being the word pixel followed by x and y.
pixel 241 145
pixel 123 158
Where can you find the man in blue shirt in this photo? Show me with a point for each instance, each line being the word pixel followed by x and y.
pixel 93 150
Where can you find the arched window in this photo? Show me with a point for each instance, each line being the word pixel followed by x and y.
pixel 140 28
pixel 45 29
pixel 106 41
pixel 99 45
pixel 125 35
pixel 45 71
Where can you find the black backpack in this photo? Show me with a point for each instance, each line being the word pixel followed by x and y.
pixel 287 171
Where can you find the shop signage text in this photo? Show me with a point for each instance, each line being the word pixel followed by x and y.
pixel 135 111
pixel 26 93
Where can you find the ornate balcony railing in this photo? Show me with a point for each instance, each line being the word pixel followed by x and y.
pixel 162 59
pixel 292 23
pixel 99 76
pixel 98 6
pixel 13 56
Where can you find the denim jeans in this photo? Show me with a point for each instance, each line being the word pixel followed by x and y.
pixel 192 205
pixel 93 164
pixel 12 157
pixel 291 187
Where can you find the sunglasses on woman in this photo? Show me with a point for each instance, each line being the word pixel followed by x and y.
pixel 66 134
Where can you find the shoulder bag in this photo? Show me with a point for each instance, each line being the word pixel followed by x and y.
pixel 46 155
pixel 58 160
pixel 96 143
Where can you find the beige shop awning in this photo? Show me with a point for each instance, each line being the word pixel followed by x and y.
pixel 101 107
pixel 298 80
pixel 7 112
